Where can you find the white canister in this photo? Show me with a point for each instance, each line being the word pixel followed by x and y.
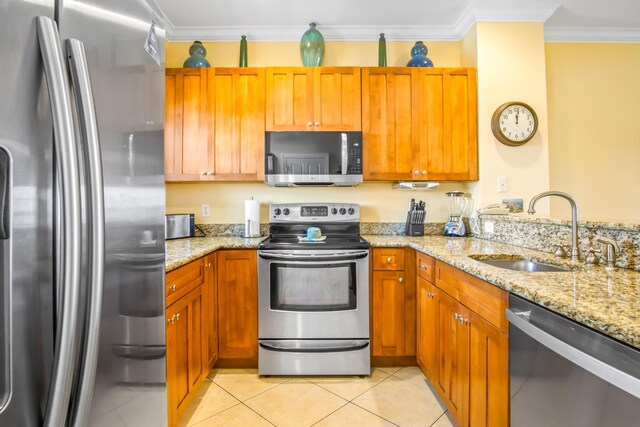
pixel 251 218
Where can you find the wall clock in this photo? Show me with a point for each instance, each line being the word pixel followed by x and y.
pixel 514 123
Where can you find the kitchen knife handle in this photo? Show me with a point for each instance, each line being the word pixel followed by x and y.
pixel 66 156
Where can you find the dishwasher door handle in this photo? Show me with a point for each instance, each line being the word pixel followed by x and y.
pixel 610 374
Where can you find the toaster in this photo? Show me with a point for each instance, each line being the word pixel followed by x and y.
pixel 177 226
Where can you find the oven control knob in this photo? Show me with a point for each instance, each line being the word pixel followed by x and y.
pixel 334 211
pixel 351 211
pixel 343 211
pixel 285 211
pixel 277 211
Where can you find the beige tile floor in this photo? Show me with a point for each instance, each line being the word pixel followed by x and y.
pixel 388 397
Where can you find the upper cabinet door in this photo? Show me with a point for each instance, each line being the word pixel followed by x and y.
pixel 185 124
pixel 289 98
pixel 445 120
pixel 236 123
pixel 387 126
pixel 336 98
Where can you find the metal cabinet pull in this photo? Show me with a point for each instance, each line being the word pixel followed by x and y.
pixel 309 123
pixel 317 123
pixel 177 316
pixel 400 279
pixel 173 288
pixel 389 260
pixel 455 316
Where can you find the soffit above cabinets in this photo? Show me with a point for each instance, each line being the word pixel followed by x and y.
pixel 409 20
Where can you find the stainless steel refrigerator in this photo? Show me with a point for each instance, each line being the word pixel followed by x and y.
pixel 82 334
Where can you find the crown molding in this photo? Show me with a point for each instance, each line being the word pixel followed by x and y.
pixel 471 15
pixel 592 35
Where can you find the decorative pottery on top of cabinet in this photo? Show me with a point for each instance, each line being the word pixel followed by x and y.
pixel 309 99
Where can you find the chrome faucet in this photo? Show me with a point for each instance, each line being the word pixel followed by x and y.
pixel 612 251
pixel 575 254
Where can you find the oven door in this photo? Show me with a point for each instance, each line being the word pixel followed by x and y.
pixel 313 294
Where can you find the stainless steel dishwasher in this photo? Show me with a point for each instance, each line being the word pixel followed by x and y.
pixel 565 374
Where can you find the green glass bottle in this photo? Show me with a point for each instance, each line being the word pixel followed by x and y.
pixel 312 47
pixel 382 51
pixel 243 51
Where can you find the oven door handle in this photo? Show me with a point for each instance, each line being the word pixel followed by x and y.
pixel 317 257
pixel 292 348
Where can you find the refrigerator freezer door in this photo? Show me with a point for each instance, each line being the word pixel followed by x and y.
pixel 128 92
pixel 26 258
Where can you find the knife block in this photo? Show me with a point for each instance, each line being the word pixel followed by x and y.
pixel 413 229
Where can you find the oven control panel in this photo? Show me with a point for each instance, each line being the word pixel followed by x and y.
pixel 319 212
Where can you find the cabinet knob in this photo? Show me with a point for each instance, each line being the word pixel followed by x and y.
pixel 177 316
pixel 317 123
pixel 428 294
pixel 173 288
pixel 424 172
pixel 209 173
pixel 171 320
pixel 461 320
pixel 416 172
pixel 455 316
pixel 400 279
pixel 389 260
pixel 423 267
pixel 203 173
pixel 309 123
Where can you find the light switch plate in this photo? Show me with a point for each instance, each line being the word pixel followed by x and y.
pixel 205 211
pixel 503 184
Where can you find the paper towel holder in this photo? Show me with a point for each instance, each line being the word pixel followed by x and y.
pixel 248 223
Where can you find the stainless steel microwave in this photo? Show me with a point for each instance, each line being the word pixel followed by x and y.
pixel 294 159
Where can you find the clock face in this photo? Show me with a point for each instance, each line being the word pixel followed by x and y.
pixel 514 123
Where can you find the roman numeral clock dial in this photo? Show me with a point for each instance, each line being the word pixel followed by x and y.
pixel 514 123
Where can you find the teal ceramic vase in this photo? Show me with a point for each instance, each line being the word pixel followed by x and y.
pixel 243 52
pixel 312 47
pixel 419 56
pixel 382 51
pixel 197 58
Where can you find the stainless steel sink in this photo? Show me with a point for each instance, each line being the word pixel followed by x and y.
pixel 514 262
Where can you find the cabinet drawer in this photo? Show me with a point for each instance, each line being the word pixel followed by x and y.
pixel 481 297
pixel 425 266
pixel 388 259
pixel 181 281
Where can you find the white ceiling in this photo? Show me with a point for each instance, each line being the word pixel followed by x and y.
pixel 579 20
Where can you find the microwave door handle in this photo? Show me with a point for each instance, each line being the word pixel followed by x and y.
pixel 345 154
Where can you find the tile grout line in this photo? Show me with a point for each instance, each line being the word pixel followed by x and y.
pixel 332 412
pixel 211 416
pixel 258 413
pixel 377 415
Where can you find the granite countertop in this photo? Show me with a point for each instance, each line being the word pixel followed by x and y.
pixel 605 301
pixel 183 251
pixel 608 302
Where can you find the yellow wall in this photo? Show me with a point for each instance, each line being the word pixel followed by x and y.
pixel 287 54
pixel 594 125
pixel 379 202
pixel 511 67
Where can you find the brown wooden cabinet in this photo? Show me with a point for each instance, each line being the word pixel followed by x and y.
pixel 235 123
pixel 463 343
pixel 387 123
pixel 393 303
pixel 186 367
pixel 419 123
pixel 313 98
pixel 185 130
pixel 237 280
pixel 427 296
pixel 214 124
pixel 210 312
pixel 445 119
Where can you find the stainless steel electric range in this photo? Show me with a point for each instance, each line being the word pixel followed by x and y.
pixel 314 295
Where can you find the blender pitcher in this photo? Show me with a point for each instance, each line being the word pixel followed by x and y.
pixel 457 204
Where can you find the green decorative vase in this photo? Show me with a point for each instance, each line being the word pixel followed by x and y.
pixel 382 51
pixel 312 47
pixel 243 52
pixel 197 58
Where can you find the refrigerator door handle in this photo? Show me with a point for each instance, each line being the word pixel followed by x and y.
pixel 66 336
pixel 88 125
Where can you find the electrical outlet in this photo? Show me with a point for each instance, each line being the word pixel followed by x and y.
pixel 488 227
pixel 503 185
pixel 205 211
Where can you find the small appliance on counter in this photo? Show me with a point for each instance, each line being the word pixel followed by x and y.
pixel 177 226
pixel 457 205
pixel 415 219
pixel 251 217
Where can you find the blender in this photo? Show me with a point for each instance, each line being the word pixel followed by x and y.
pixel 457 204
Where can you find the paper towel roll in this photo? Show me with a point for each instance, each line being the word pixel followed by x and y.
pixel 251 218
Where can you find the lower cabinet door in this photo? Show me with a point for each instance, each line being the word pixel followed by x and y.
pixel 394 314
pixel 427 342
pixel 238 304
pixel 185 362
pixel 453 364
pixel 489 375
pixel 210 318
